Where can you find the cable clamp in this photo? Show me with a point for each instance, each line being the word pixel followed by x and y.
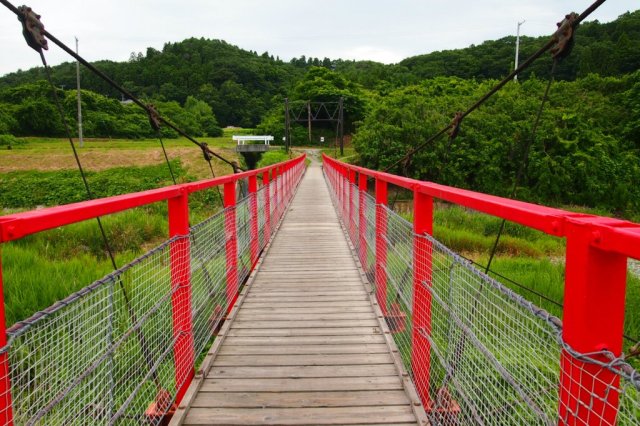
pixel 32 29
pixel 154 117
pixel 563 36
pixel 455 124
pixel 205 151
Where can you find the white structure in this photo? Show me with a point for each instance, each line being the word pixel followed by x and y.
pixel 252 138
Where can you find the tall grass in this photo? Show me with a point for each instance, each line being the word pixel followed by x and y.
pixel 532 261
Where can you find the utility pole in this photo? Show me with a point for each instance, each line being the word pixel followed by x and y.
pixel 287 126
pixel 515 77
pixel 309 119
pixel 79 100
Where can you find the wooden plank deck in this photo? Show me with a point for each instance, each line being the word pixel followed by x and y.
pixel 306 345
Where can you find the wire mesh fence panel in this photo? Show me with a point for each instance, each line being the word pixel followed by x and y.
pixel 369 235
pixel 399 277
pixel 492 359
pixel 352 223
pixel 102 355
pixel 243 228
pixel 261 198
pixel 208 278
pixel 273 203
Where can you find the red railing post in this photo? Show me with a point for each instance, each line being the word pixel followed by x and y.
pixel 593 321
pixel 352 210
pixel 275 193
pixel 362 220
pixel 381 244
pixel 345 195
pixel 421 315
pixel 6 410
pixel 267 206
pixel 253 213
pixel 231 242
pixel 180 259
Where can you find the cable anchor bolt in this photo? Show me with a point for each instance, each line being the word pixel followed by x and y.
pixel 32 29
pixel 563 36
pixel 154 117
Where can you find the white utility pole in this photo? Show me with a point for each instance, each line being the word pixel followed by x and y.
pixel 515 77
pixel 79 100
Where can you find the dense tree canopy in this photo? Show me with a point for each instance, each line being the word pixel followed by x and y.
pixel 584 151
pixel 29 110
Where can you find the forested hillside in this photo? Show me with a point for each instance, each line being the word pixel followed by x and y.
pixel 586 151
pixel 610 49
pixel 239 85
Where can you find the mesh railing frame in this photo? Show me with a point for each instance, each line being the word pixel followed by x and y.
pixel 491 356
pixel 108 353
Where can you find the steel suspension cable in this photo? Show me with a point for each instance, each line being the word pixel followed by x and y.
pixel 143 344
pixel 113 84
pixel 551 44
pixel 525 160
pixel 461 343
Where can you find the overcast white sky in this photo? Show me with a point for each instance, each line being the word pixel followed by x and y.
pixel 385 31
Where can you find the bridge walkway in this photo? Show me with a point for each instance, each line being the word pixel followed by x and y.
pixel 306 343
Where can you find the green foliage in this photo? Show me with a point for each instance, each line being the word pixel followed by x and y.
pixel 581 154
pixel 610 49
pixel 235 83
pixel 318 85
pixel 30 111
pixel 9 141
pixel 272 157
pixel 27 189
pixel 203 115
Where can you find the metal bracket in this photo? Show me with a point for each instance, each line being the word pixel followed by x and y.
pixel 32 29
pixel 563 36
pixel 154 118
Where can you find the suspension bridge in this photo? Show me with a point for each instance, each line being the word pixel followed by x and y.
pixel 323 307
pixel 310 301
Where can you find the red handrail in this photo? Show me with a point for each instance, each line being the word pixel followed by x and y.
pixel 595 278
pixel 19 225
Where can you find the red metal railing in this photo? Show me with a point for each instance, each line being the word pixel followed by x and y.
pixel 589 388
pixel 278 184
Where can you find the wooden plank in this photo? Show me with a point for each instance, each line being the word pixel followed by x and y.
pixel 308 310
pixel 304 324
pixel 381 348
pixel 265 285
pixel 340 331
pixel 281 360
pixel 301 299
pixel 279 304
pixel 298 416
pixel 346 316
pixel 308 292
pixel 296 371
pixel 301 384
pixel 300 399
pixel 305 340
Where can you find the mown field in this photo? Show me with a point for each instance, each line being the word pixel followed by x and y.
pixel 41 269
